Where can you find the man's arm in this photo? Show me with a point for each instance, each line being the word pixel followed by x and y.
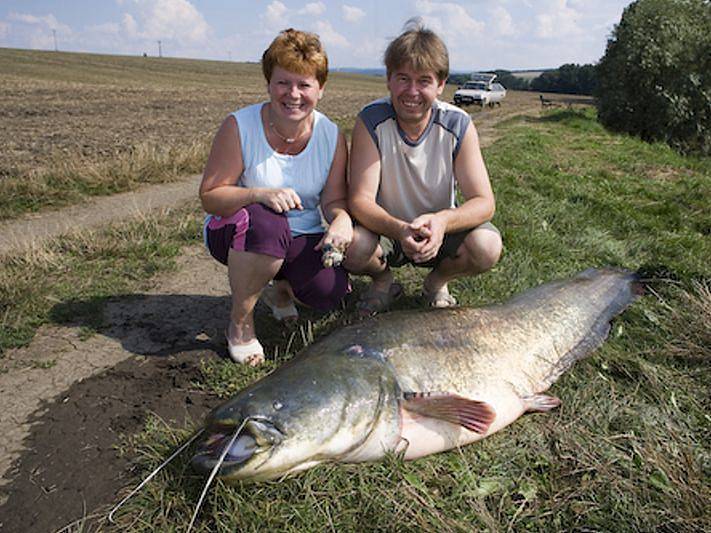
pixel 473 180
pixel 363 185
pixel 478 207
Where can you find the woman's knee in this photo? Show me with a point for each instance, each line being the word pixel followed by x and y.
pixel 268 230
pixel 484 248
pixel 360 250
pixel 325 290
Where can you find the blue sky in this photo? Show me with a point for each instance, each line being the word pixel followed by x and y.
pixel 480 34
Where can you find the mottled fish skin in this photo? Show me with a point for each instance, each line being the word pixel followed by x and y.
pixel 342 398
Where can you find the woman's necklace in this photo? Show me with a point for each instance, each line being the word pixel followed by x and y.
pixel 287 140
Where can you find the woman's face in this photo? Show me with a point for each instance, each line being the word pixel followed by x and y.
pixel 293 96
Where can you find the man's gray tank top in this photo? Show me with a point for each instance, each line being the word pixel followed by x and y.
pixel 416 177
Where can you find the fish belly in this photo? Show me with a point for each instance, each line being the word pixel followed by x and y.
pixel 424 435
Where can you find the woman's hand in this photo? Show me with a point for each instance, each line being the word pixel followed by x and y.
pixel 336 240
pixel 279 200
pixel 339 233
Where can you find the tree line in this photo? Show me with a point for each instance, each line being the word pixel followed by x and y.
pixel 569 79
pixel 654 80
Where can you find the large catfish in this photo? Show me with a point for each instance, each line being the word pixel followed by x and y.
pixel 414 382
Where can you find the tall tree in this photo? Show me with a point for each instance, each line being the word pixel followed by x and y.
pixel 655 77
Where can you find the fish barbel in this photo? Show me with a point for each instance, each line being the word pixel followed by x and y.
pixel 414 382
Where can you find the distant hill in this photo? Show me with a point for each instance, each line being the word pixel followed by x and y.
pixel 365 71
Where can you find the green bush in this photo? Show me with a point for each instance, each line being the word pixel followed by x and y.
pixel 654 80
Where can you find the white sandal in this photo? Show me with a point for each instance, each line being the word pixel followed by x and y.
pixel 281 314
pixel 250 353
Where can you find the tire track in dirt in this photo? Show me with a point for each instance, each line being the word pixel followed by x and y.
pixel 150 336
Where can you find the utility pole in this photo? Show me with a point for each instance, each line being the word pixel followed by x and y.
pixel 229 55
pixel 160 51
pixel 54 34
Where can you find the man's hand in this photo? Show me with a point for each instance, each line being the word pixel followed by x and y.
pixel 279 200
pixel 430 230
pixel 410 241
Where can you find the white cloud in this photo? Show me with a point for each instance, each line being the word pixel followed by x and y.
pixel 46 21
pixel 352 14
pixel 502 21
pixel 557 20
pixel 167 19
pixel 102 30
pixel 329 36
pixel 313 9
pixel 448 19
pixel 275 16
pixel 129 24
pixel 4 30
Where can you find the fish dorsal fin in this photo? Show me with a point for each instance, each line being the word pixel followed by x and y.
pixel 473 415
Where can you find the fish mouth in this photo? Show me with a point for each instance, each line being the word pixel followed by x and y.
pixel 256 438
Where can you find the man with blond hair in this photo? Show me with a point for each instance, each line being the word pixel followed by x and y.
pixel 410 152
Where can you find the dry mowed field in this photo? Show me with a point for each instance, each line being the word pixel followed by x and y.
pixel 60 106
pixel 57 105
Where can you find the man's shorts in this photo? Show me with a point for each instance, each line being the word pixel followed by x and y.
pixel 395 257
pixel 258 229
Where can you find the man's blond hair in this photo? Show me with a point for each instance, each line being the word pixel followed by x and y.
pixel 419 48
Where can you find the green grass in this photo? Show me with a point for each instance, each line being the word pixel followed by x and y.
pixel 629 448
pixel 627 451
pixel 70 278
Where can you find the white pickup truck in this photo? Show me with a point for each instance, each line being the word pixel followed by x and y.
pixel 480 90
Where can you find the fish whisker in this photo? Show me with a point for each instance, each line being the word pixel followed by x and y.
pixel 214 472
pixel 152 474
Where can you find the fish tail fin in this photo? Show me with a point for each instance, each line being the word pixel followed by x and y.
pixel 626 287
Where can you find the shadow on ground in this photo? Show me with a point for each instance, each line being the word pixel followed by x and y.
pixel 165 324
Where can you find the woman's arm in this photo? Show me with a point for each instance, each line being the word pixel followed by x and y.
pixel 219 192
pixel 333 200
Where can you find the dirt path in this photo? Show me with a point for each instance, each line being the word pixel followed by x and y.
pixel 32 229
pixel 67 399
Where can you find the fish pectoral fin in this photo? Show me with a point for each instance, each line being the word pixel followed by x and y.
pixel 473 415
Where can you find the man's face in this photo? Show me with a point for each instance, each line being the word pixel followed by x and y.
pixel 413 93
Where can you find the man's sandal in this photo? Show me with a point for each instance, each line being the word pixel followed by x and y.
pixel 440 299
pixel 250 353
pixel 373 302
pixel 287 313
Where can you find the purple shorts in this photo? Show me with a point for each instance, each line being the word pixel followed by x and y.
pixel 257 229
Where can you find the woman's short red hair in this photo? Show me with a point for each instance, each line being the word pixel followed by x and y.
pixel 296 51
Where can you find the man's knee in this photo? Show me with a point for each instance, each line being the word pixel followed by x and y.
pixel 361 249
pixel 483 247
